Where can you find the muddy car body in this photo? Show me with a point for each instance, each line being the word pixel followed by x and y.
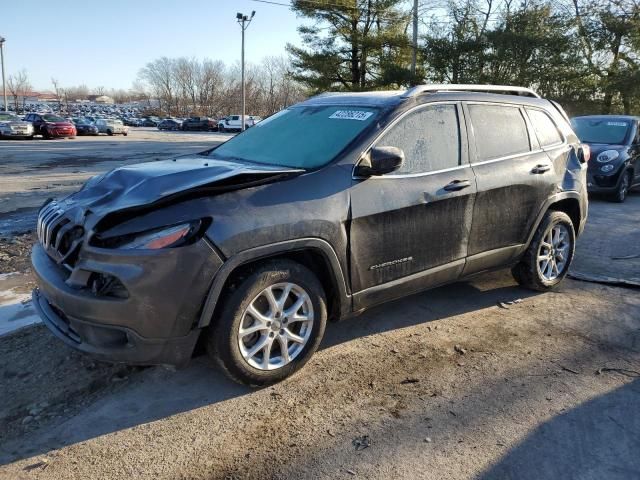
pixel 319 212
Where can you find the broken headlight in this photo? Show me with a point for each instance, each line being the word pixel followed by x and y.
pixel 165 237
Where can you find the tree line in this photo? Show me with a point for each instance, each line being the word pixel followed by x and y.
pixel 187 86
pixel 583 53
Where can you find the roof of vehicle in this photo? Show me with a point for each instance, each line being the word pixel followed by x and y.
pixel 619 117
pixel 497 93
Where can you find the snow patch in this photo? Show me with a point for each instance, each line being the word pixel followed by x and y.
pixel 16 310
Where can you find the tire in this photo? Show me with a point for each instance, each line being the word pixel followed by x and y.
pixel 221 129
pixel 46 135
pixel 125 133
pixel 223 339
pixel 110 133
pixel 623 187
pixel 530 273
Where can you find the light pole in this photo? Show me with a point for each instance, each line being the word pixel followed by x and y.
pixel 4 84
pixel 243 21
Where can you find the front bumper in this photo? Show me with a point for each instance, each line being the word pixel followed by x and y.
pixel 603 183
pixel 153 325
pixel 62 132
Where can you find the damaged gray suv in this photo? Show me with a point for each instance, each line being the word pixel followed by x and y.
pixel 319 212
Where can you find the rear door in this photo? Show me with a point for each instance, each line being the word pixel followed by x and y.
pixel 409 229
pixel 514 179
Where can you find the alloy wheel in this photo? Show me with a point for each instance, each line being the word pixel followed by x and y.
pixel 276 326
pixel 554 252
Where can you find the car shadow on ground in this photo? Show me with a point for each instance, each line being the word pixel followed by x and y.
pixel 598 439
pixel 157 393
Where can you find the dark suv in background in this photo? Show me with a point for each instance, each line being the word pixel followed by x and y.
pixel 615 153
pixel 319 212
pixel 200 123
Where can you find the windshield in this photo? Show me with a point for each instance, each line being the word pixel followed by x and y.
pixel 8 117
pixel 299 137
pixel 601 130
pixel 53 118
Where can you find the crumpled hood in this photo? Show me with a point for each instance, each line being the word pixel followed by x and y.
pixel 146 183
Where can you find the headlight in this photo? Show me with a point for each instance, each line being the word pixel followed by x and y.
pixel 607 156
pixel 164 237
pixel 606 168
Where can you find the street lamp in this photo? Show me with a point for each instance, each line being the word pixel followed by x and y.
pixel 243 21
pixel 4 84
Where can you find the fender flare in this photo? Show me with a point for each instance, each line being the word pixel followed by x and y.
pixel 569 194
pixel 272 250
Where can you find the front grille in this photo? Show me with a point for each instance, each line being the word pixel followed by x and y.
pixel 60 238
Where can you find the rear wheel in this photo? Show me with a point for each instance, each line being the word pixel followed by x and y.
pixel 547 260
pixel 623 187
pixel 270 324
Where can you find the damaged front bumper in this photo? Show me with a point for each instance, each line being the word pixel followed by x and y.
pixel 153 324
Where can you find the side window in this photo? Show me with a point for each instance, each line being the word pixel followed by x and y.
pixel 545 129
pixel 429 137
pixel 499 130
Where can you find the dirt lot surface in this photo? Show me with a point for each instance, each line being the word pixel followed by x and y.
pixel 477 380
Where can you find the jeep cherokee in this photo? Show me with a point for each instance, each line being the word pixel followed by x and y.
pixel 325 209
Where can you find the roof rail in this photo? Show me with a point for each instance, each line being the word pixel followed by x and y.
pixel 500 89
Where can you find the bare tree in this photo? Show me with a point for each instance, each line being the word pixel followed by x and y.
pixel 18 84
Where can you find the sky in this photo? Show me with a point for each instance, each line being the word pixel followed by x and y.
pixel 106 43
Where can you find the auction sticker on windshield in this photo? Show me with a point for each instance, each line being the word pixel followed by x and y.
pixel 351 115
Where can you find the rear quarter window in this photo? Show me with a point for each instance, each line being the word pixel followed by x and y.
pixel 545 129
pixel 499 130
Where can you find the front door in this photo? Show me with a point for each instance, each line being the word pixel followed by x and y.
pixel 409 229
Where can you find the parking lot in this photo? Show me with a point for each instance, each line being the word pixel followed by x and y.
pixel 481 379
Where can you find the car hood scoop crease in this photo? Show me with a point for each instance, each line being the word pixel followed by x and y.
pixel 146 183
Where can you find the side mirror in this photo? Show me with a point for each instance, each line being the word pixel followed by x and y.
pixel 380 161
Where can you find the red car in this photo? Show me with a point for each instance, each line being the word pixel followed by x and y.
pixel 51 126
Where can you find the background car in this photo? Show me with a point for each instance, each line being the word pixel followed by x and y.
pixel 12 126
pixel 51 126
pixel 149 122
pixel 614 168
pixel 85 126
pixel 233 123
pixel 112 127
pixel 169 124
pixel 200 123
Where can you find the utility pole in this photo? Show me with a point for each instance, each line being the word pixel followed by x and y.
pixel 243 21
pixel 4 84
pixel 414 53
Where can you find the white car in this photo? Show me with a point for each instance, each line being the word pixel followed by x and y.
pixel 234 122
pixel 13 126
pixel 111 127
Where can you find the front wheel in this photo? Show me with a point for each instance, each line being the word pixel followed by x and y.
pixel 623 188
pixel 547 260
pixel 110 133
pixel 221 129
pixel 270 324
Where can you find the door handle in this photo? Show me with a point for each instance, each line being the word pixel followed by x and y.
pixel 540 168
pixel 456 185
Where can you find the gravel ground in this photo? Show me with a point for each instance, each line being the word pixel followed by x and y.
pixel 447 384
